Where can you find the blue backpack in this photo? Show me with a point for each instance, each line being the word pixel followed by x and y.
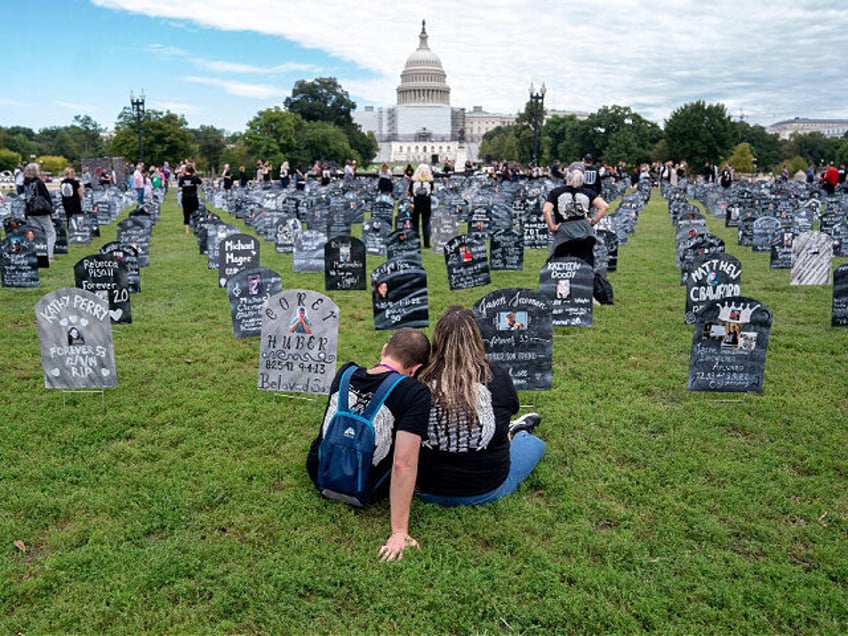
pixel 346 452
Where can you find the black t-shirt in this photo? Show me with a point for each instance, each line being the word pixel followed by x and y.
pixel 406 409
pixel 571 203
pixel 474 459
pixel 188 185
pixel 70 199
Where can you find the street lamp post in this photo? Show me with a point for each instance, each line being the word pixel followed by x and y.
pixel 538 99
pixel 138 112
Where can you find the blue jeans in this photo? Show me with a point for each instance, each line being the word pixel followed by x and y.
pixel 140 195
pixel 525 451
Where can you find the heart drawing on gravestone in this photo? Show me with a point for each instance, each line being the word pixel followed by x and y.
pixel 105 372
pixel 55 373
pixel 116 314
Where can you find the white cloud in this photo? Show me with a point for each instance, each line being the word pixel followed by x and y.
pixel 776 59
pixel 240 89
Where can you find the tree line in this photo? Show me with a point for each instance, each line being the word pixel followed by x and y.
pixel 316 122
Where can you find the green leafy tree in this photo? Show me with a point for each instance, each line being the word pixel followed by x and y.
pixel 565 136
pixel 499 143
pixel 320 140
pixel 270 136
pixel 9 159
pixel 52 163
pixel 765 146
pixel 813 147
pixel 210 142
pixel 698 133
pixel 165 136
pixel 87 134
pixel 616 133
pixel 21 140
pixel 323 99
pixel 742 158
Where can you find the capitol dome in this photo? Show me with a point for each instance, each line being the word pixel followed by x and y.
pixel 423 80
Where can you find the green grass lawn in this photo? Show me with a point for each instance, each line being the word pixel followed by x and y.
pixel 185 507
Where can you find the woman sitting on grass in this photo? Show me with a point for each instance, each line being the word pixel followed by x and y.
pixel 472 454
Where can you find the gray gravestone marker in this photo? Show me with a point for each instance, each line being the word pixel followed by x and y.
pixel 466 263
pixel 18 263
pixel 507 251
pixel 108 278
pixel 712 278
pixel 75 332
pixel 839 314
pixel 300 334
pixel 812 253
pixel 309 251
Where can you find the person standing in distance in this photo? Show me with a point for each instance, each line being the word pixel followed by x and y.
pixel 187 187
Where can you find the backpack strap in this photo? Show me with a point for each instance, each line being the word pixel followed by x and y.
pixel 386 387
pixel 344 388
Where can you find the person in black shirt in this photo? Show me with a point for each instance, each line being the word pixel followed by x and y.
pixel 187 185
pixel 472 454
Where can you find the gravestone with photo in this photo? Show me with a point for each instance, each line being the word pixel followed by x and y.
pixel 839 312
pixel 344 264
pixel 466 262
pixel 75 332
pixel 79 233
pixel 745 228
pixel 300 336
pixel 128 255
pixel 35 237
pixel 235 253
pixel 812 253
pixel 18 263
pixel 404 245
pixel 729 346
pixel 569 284
pixel 309 251
pixel 702 245
pixel 711 278
pixel 507 250
pixel 375 233
pixel 108 278
pixel 610 240
pixel 399 295
pixel 766 231
pixel 248 290
pixel 285 232
pixel 781 249
pixel 136 232
pixel 839 234
pixel 518 333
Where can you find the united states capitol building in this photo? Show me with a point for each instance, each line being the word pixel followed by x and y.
pixel 423 126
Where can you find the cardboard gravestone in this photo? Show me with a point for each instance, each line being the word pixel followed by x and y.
pixel 214 237
pixel 507 251
pixel 128 255
pixel 480 222
pixel 285 232
pixel 712 278
pixel 781 250
pixel 235 253
pixel 839 234
pixel 61 244
pixel 745 228
pixel 309 251
pixel 75 332
pixel 812 253
pixel 79 233
pixel 569 283
pixel 136 232
pixel 828 221
pixel 465 259
pixel 501 217
pixel 375 233
pixel 35 237
pixel 766 231
pixel 300 335
pixel 404 245
pixel 839 314
pixel 609 241
pixel 399 295
pixel 338 223
pixel 443 228
pixel 729 346
pixel 535 230
pixel 518 333
pixel 248 290
pixel 18 263
pixel 703 245
pixel 687 236
pixel 107 277
pixel 344 264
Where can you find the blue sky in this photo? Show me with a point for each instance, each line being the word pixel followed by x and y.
pixel 219 63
